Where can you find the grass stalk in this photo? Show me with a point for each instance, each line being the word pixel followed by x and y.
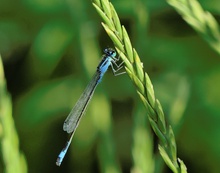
pixel 200 20
pixel 13 159
pixel 142 82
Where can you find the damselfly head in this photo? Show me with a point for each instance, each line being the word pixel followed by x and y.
pixel 110 52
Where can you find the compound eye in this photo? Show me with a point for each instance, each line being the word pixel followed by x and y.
pixel 105 50
pixel 112 52
pixel 109 52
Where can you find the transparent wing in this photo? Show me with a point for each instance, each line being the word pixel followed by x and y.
pixel 72 121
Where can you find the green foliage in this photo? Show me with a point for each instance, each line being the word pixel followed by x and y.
pixel 202 21
pixel 142 150
pixel 141 80
pixel 13 159
pixel 50 50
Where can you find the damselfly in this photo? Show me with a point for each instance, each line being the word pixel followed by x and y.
pixel 72 121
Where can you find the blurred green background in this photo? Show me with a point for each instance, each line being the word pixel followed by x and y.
pixel 50 50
